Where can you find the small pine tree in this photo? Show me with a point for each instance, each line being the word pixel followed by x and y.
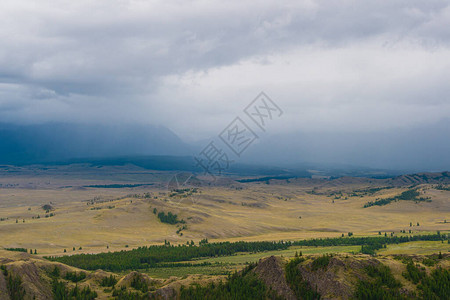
pixel 65 250
pixel 35 251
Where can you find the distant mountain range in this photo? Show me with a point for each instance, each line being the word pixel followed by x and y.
pixel 53 142
pixel 289 155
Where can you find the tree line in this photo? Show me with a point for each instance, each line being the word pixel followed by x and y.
pixel 374 240
pixel 156 255
pixel 151 256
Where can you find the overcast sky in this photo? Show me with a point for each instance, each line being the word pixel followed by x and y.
pixel 193 66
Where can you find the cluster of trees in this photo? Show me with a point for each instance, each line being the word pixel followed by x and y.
pixel 123 294
pixel 153 256
pixel 47 207
pixel 433 286
pixel 108 281
pixel 437 285
pixel 13 284
pixel 353 241
pixel 181 229
pixel 74 276
pixel 183 192
pixel 62 292
pixel 369 191
pixel 321 262
pixel 170 218
pixel 414 273
pixel 39 216
pixel 17 249
pixel 145 257
pixel 372 248
pixel 381 285
pixel 409 195
pixel 139 283
pixel 117 185
pixel 443 188
pixel 301 288
pixel 244 285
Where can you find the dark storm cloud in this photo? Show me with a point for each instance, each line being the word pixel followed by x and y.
pixel 178 62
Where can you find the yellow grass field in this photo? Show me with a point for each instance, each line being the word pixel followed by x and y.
pixel 107 219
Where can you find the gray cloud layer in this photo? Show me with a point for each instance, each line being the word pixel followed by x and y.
pixel 192 66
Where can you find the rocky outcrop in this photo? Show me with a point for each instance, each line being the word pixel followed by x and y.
pixel 271 272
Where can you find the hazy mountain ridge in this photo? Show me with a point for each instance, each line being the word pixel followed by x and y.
pixel 53 142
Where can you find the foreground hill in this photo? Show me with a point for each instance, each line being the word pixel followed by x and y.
pixel 24 276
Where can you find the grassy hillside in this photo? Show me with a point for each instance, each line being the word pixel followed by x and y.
pixel 104 218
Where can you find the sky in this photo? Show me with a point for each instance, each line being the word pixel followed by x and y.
pixel 358 67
